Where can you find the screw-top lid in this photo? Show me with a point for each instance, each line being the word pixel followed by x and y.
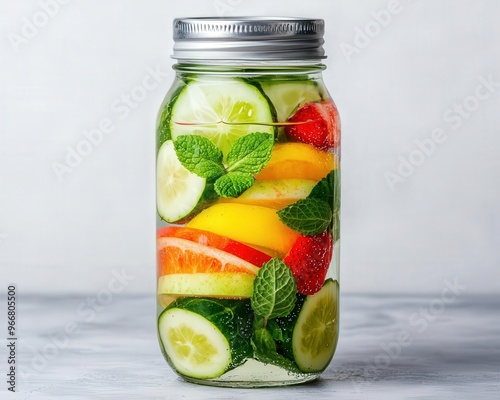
pixel 248 38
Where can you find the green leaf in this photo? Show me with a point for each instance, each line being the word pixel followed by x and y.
pixel 328 189
pixel 199 155
pixel 250 153
pixel 275 330
pixel 324 189
pixel 275 290
pixel 308 216
pixel 233 184
pixel 262 340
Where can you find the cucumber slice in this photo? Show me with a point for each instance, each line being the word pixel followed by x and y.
pixel 195 346
pixel 222 111
pixel 287 96
pixel 178 191
pixel 203 338
pixel 315 333
pixel 163 126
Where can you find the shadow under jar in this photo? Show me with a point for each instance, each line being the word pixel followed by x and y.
pixel 248 201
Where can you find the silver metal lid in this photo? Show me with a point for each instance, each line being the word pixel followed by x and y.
pixel 248 38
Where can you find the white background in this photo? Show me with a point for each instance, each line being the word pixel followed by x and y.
pixel 441 223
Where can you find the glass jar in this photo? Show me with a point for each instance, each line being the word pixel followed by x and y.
pixel 248 178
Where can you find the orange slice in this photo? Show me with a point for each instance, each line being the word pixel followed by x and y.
pixel 297 161
pixel 176 256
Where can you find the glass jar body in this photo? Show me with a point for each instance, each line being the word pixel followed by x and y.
pixel 248 201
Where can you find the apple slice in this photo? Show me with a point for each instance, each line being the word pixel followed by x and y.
pixel 228 285
pixel 277 193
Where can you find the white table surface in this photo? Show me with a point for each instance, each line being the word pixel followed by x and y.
pixel 115 355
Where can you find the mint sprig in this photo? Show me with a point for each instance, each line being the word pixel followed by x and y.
pixel 274 293
pixel 308 216
pixel 314 214
pixel 199 155
pixel 233 184
pixel 250 153
pixel 248 156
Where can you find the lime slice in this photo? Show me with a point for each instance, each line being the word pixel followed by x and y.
pixel 287 96
pixel 222 111
pixel 316 331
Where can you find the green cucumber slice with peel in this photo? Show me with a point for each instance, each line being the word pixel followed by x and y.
pixel 163 127
pixel 220 110
pixel 310 331
pixel 204 338
pixel 288 96
pixel 178 191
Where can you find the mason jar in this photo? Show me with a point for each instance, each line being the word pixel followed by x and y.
pixel 248 203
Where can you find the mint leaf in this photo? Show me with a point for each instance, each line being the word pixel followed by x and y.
pixel 308 216
pixel 250 153
pixel 275 330
pixel 328 189
pixel 324 189
pixel 199 155
pixel 233 184
pixel 262 340
pixel 274 293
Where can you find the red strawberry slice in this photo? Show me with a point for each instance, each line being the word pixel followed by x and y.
pixel 309 259
pixel 317 124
